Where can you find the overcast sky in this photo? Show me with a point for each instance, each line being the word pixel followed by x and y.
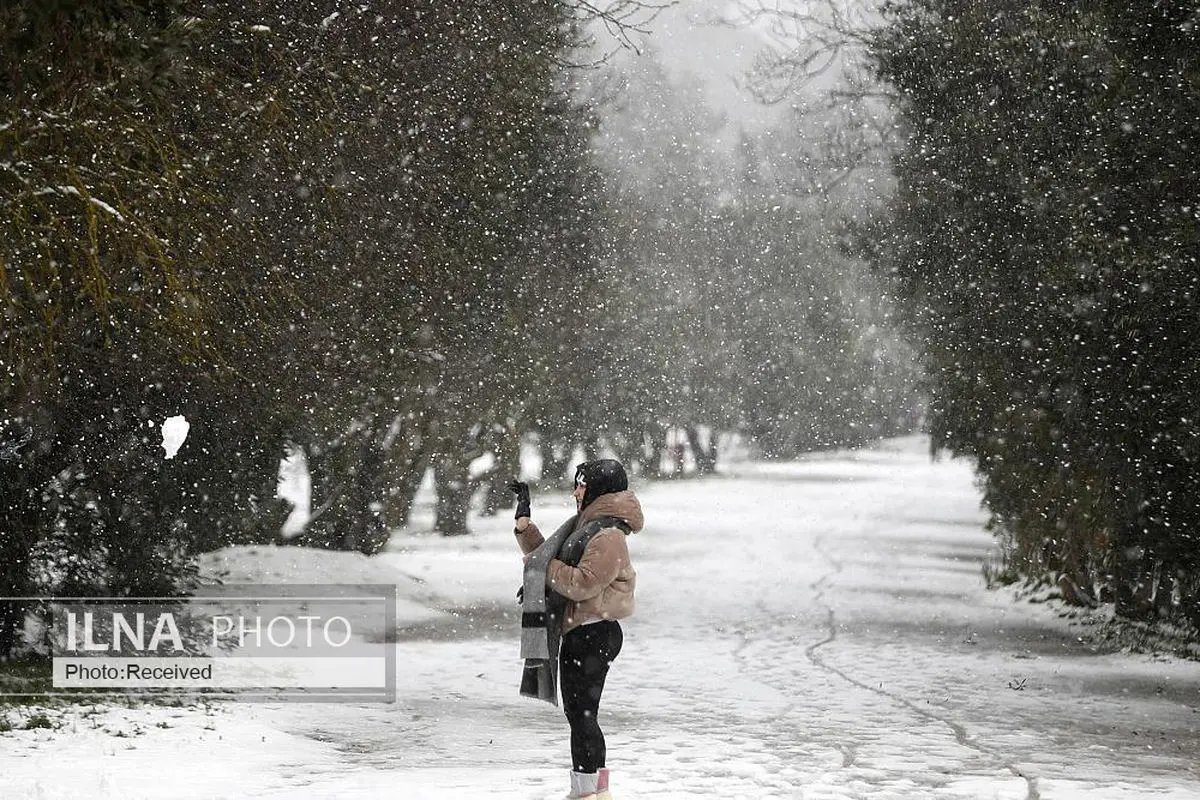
pixel 688 40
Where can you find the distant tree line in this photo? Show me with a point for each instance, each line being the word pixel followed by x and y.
pixel 750 302
pixel 379 235
pixel 1046 237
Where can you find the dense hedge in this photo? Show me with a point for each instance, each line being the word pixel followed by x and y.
pixel 1046 240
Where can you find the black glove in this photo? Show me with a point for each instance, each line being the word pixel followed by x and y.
pixel 521 490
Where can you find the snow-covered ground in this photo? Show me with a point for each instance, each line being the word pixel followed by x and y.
pixel 809 630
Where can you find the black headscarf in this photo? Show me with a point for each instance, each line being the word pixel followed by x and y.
pixel 604 476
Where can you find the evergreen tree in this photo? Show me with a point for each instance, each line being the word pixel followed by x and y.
pixel 1046 245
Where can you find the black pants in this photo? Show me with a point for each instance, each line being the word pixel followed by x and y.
pixel 584 657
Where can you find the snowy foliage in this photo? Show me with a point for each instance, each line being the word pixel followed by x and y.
pixel 1046 239
pixel 398 239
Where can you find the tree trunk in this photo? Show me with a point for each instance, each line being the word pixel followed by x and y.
pixel 365 528
pixel 706 457
pixel 507 450
pixel 453 484
pixel 554 463
pixel 403 493
pixel 655 447
pixel 326 491
pixel 408 459
pixel 347 490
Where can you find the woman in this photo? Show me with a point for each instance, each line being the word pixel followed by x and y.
pixel 588 568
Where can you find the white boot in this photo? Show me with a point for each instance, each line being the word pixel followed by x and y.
pixel 584 785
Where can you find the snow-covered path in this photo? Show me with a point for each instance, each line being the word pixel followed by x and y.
pixel 808 630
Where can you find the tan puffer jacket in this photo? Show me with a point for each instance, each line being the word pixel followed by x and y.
pixel 601 586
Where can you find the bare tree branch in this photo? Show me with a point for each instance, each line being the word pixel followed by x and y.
pixel 807 43
pixel 623 20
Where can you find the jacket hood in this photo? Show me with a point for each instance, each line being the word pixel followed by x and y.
pixel 622 505
pixel 600 477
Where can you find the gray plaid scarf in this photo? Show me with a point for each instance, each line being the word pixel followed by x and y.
pixel 541 629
